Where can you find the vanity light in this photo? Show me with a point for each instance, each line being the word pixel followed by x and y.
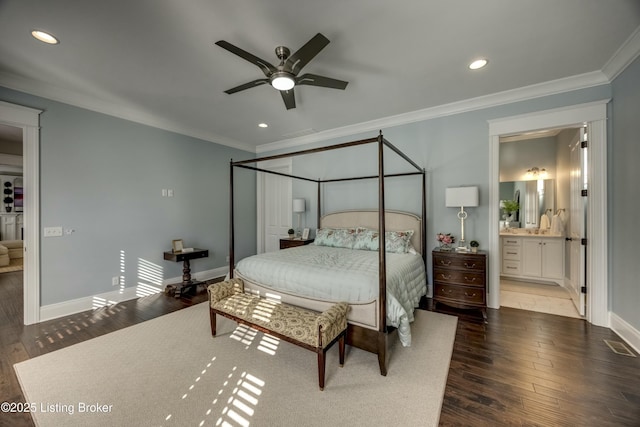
pixel 478 63
pixel 536 173
pixel 44 37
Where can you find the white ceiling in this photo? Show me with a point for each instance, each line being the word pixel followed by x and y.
pixel 155 62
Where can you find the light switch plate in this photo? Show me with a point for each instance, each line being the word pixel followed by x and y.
pixel 52 231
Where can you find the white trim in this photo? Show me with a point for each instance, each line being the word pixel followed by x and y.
pixel 11 160
pixel 28 120
pixel 594 114
pixel 624 56
pixel 625 331
pixel 106 299
pixel 553 87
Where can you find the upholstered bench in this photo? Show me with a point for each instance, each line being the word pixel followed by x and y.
pixel 308 329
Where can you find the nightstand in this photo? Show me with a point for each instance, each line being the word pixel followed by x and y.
pixel 292 243
pixel 460 279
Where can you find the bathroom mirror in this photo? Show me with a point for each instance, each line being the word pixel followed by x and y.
pixel 535 198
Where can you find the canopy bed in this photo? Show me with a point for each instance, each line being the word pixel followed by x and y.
pixel 348 258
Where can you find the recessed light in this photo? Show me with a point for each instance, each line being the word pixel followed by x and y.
pixel 263 125
pixel 44 37
pixel 478 63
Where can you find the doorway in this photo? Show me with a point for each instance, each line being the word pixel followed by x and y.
pixel 593 115
pixel 537 174
pixel 27 119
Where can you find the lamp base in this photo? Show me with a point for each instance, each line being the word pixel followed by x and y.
pixel 462 249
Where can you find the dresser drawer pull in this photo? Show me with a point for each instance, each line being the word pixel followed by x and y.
pixel 512 253
pixel 444 291
pixel 473 279
pixel 445 263
pixel 445 277
pixel 470 266
pixel 472 295
pixel 512 268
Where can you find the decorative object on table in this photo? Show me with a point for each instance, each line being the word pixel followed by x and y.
pixel 461 197
pixel 8 200
pixel 299 206
pixel 509 207
pixel 305 234
pixel 446 241
pixel 177 246
pixel 291 233
pixel 474 246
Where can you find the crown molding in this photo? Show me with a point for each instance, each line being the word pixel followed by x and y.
pixel 553 87
pixel 624 56
pixel 136 115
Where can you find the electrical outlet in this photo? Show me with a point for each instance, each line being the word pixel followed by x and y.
pixel 115 281
pixel 52 231
pixel 228 259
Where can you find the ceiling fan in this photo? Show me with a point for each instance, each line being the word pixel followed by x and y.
pixel 285 76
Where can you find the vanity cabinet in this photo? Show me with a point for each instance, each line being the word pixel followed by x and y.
pixel 533 257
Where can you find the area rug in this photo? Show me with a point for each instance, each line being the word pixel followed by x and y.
pixel 15 264
pixel 169 371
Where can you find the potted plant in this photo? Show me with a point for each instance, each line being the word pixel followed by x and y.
pixel 474 246
pixel 510 207
pixel 291 233
pixel 7 196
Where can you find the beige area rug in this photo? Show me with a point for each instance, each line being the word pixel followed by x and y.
pixel 169 371
pixel 15 264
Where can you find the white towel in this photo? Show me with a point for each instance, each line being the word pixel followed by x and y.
pixel 556 225
pixel 544 222
pixel 563 217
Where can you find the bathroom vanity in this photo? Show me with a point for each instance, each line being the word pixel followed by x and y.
pixel 531 256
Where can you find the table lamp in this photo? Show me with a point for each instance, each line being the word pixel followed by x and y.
pixel 461 197
pixel 298 207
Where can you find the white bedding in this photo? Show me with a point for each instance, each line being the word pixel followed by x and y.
pixel 338 274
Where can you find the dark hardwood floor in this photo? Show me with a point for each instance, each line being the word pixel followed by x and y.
pixel 521 369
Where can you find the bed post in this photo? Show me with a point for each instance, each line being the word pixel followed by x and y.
pixel 424 216
pixel 319 210
pixel 382 269
pixel 231 236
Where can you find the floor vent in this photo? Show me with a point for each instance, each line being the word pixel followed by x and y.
pixel 619 348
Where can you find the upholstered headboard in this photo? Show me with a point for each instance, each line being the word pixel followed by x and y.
pixel 394 221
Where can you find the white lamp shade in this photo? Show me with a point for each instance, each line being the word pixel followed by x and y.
pixel 456 197
pixel 298 205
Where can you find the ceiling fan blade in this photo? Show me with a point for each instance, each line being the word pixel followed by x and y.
pixel 288 98
pixel 305 54
pixel 247 86
pixel 266 67
pixel 316 80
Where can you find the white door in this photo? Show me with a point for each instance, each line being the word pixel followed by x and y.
pixel 274 215
pixel 576 227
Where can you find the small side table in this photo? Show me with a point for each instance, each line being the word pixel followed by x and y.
pixel 187 284
pixel 292 243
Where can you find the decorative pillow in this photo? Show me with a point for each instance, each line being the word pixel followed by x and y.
pixel 395 241
pixel 335 237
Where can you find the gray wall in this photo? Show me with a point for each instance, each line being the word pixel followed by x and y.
pixel 454 150
pixel 102 176
pixel 624 196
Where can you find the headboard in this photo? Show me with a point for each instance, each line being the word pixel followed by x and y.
pixel 394 221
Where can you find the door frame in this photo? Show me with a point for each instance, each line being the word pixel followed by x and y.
pixel 262 201
pixel 594 114
pixel 28 119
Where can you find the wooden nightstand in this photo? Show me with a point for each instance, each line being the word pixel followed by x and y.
pixel 460 279
pixel 292 243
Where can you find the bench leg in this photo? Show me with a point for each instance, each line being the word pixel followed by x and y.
pixel 321 367
pixel 341 349
pixel 212 317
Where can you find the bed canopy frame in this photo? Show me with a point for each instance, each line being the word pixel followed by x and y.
pixel 369 340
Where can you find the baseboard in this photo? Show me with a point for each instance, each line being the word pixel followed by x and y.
pixel 67 308
pixel 627 332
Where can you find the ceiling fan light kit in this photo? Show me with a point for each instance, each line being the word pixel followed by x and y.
pixel 284 77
